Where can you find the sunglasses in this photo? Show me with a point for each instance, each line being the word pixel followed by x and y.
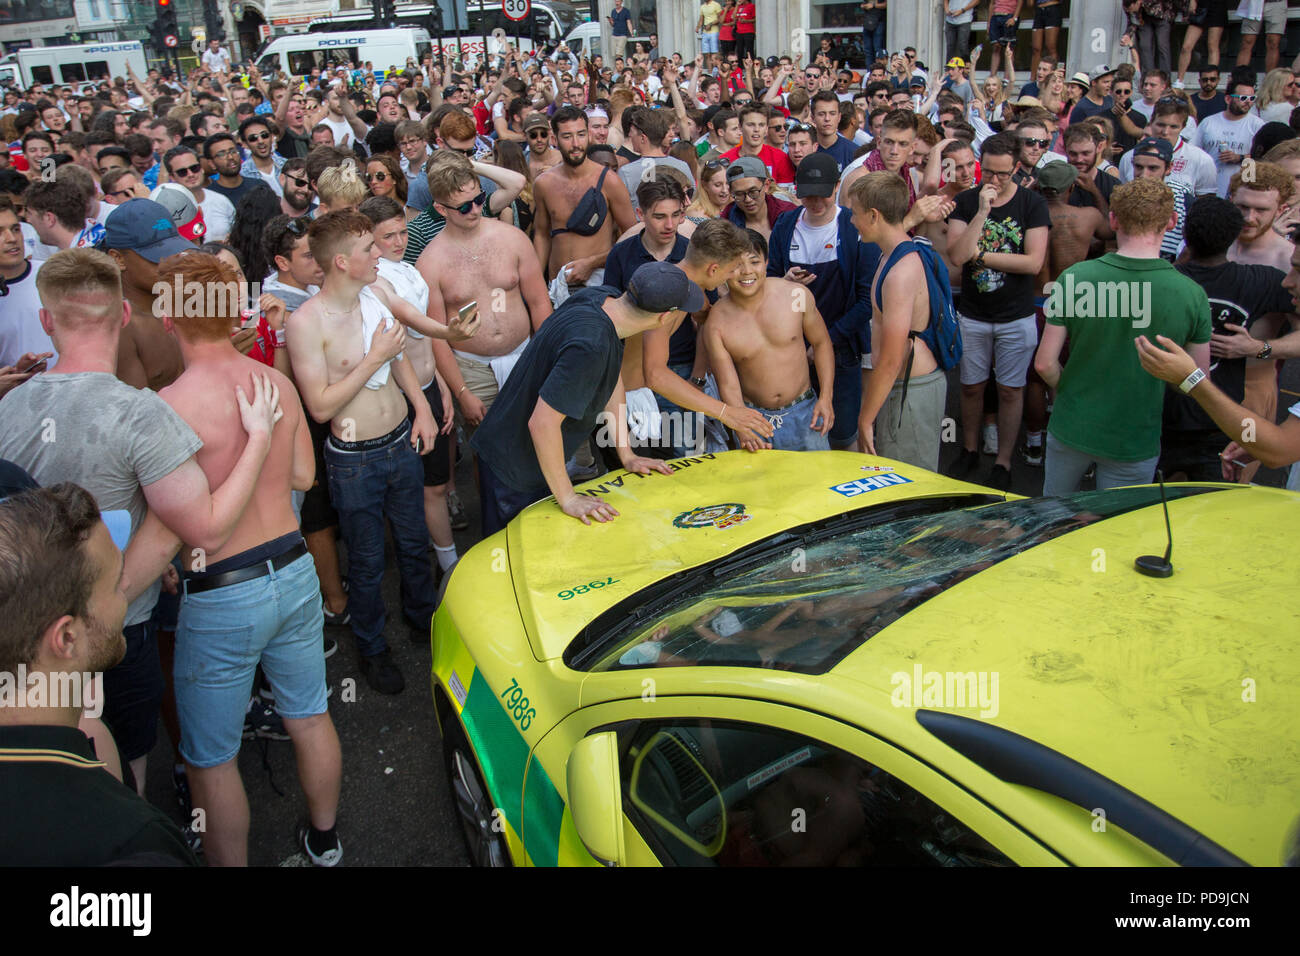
pixel 187 170
pixel 257 137
pixel 297 226
pixel 379 177
pixel 1245 98
pixel 465 207
pixel 715 164
pixel 468 151
pixel 538 133
pixel 1040 143
pixel 801 128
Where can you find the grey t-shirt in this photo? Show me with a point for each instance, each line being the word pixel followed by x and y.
pixel 97 432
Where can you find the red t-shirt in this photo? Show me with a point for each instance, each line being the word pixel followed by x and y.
pixel 724 24
pixel 483 119
pixel 745 12
pixel 778 163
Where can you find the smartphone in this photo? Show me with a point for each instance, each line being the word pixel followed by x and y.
pixel 33 367
pixel 419 445
pixel 467 310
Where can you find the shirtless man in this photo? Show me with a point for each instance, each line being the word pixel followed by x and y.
pixel 904 394
pixel 578 186
pixel 755 339
pixel 1073 227
pixel 147 357
pixel 261 582
pixel 537 128
pixel 712 257
pixel 347 361
pixel 389 220
pixel 950 169
pixel 479 259
pixel 1260 198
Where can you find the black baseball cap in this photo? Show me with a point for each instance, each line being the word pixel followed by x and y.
pixel 817 175
pixel 663 287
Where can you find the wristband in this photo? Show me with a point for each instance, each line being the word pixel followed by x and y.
pixel 279 338
pixel 462 388
pixel 1192 380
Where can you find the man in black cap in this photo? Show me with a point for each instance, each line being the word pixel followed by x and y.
pixel 818 247
pixel 566 378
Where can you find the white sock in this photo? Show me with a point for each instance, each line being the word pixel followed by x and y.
pixel 446 556
pixel 1033 438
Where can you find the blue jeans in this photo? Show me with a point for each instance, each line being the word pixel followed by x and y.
pixel 846 398
pixel 366 487
pixel 222 635
pixel 873 36
pixel 793 426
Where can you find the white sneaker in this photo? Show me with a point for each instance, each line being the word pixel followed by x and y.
pixel 1178 84
pixel 331 857
pixel 990 439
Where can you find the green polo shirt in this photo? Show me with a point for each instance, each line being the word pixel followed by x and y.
pixel 1106 405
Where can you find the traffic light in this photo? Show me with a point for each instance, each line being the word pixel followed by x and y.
pixel 166 18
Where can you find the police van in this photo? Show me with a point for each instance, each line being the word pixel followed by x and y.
pixel 78 63
pixel 300 53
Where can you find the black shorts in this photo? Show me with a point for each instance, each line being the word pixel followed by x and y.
pixel 133 692
pixel 1049 17
pixel 437 464
pixel 1216 15
pixel 1195 454
pixel 318 513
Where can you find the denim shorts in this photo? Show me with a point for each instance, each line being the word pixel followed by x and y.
pixel 793 425
pixel 999 32
pixel 276 619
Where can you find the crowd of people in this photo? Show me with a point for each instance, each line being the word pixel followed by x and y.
pixel 263 317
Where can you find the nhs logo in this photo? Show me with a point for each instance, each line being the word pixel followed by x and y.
pixel 851 489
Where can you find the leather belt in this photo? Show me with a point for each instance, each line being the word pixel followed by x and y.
pixel 240 575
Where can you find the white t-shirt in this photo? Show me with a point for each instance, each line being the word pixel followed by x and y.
pixel 408 282
pixel 342 131
pixel 218 215
pixel 217 62
pixel 1217 133
pixel 20 322
pixel 813 244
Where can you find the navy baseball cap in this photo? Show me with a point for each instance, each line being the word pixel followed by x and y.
pixel 1156 146
pixel 145 228
pixel 663 287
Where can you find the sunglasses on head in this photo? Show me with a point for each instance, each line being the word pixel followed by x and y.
pixel 717 164
pixel 297 226
pixel 188 170
pixel 465 207
pixel 801 128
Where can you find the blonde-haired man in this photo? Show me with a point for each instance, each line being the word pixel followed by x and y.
pixel 346 351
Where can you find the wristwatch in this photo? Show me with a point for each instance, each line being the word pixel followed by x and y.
pixel 1192 380
pixel 699 382
pixel 1266 351
pixel 979 260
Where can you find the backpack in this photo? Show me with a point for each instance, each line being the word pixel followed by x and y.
pixel 943 335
